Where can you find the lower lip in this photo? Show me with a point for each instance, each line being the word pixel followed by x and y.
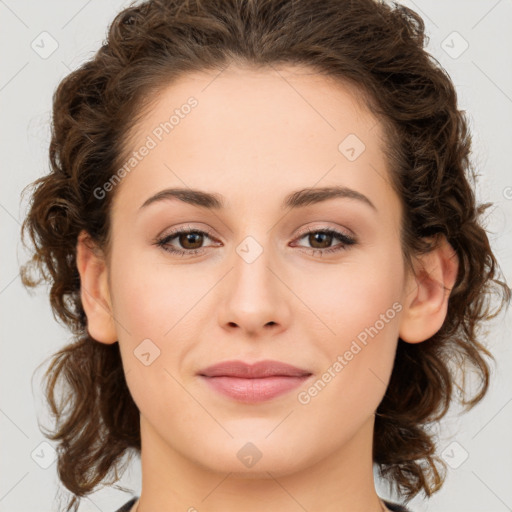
pixel 254 390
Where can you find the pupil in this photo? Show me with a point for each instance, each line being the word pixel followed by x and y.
pixel 317 236
pixel 189 237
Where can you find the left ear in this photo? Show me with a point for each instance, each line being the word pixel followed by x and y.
pixel 426 304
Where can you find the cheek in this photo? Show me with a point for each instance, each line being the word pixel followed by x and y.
pixel 362 310
pixel 359 304
pixel 153 300
pixel 352 297
pixel 153 307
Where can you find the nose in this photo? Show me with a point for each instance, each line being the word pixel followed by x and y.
pixel 254 300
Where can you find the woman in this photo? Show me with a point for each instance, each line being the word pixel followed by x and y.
pixel 260 227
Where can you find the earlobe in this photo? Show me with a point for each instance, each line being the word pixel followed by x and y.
pixel 94 290
pixel 426 306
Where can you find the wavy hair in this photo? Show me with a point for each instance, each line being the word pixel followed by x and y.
pixel 373 45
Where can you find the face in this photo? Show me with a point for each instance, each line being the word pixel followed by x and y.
pixel 295 259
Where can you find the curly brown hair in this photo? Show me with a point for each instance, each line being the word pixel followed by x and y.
pixel 374 45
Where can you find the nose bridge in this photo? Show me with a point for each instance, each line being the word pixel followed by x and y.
pixel 252 256
pixel 252 279
pixel 253 296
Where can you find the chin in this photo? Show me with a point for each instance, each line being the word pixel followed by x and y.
pixel 255 458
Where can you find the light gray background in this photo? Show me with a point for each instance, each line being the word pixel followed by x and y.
pixel 29 334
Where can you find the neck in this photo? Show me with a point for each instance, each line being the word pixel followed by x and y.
pixel 341 482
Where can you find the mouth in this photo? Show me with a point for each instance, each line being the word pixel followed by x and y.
pixel 252 383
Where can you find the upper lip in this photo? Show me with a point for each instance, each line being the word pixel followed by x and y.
pixel 257 370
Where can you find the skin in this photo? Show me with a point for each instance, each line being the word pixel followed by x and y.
pixel 255 137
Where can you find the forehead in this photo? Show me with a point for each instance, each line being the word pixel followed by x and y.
pixel 278 97
pixel 269 130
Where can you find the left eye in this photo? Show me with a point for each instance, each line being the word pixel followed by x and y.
pixel 191 241
pixel 324 238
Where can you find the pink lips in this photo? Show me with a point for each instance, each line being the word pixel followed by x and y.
pixel 253 383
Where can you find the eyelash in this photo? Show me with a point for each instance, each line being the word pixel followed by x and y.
pixel 164 241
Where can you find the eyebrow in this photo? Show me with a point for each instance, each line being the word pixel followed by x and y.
pixel 298 199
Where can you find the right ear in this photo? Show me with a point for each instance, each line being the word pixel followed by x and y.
pixel 94 290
